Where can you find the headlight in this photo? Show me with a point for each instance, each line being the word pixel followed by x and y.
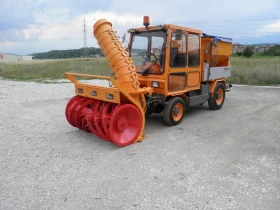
pixel 109 96
pixel 155 84
pixel 93 93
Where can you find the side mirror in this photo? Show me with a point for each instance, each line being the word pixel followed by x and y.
pixel 178 34
pixel 123 38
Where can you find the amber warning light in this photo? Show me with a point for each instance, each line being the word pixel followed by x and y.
pixel 146 21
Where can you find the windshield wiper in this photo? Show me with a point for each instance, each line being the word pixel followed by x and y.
pixel 146 71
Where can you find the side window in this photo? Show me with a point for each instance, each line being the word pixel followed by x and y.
pixel 193 50
pixel 157 45
pixel 178 51
pixel 139 47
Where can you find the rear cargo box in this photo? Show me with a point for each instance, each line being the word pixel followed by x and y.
pixel 216 53
pixel 216 50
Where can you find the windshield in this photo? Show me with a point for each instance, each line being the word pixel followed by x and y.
pixel 148 52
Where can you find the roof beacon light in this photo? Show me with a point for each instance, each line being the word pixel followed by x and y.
pixel 146 21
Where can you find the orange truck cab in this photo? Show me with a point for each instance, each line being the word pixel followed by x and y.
pixel 183 66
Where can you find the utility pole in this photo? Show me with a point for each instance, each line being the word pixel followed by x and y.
pixel 85 38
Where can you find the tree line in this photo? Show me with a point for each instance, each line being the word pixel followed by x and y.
pixel 249 51
pixel 72 53
pixel 92 52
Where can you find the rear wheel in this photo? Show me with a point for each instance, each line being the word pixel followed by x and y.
pixel 218 97
pixel 174 111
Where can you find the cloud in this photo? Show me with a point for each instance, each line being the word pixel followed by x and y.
pixel 57 22
pixel 271 28
pixel 55 26
pixel 72 28
pixel 196 10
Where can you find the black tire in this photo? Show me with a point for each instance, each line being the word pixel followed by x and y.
pixel 174 111
pixel 218 97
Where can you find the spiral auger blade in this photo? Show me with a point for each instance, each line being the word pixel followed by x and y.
pixel 117 123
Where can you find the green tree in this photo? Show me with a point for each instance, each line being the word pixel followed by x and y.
pixel 238 53
pixel 248 51
pixel 71 53
pixel 274 51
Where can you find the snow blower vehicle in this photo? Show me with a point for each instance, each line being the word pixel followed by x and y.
pixel 165 69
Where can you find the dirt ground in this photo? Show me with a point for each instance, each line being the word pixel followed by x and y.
pixel 225 159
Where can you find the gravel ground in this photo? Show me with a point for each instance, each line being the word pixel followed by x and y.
pixel 225 159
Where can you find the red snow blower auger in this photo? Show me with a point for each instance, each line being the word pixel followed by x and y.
pixel 115 114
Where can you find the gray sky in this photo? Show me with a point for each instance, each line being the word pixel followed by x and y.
pixel 28 26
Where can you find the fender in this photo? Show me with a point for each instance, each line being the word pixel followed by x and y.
pixel 212 85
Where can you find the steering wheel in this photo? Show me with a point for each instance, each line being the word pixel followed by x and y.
pixel 145 55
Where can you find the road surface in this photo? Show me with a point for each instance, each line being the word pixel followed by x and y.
pixel 225 159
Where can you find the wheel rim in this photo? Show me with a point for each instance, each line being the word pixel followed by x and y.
pixel 125 125
pixel 177 112
pixel 220 96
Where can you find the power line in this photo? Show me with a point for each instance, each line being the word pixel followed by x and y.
pixel 213 22
pixel 236 20
pixel 229 27
pixel 244 32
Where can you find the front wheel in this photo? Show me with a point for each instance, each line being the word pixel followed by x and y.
pixel 174 111
pixel 218 97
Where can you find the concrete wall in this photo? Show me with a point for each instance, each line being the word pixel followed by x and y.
pixel 27 57
pixel 6 57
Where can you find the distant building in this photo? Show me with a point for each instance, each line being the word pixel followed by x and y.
pixel 262 48
pixel 257 48
pixel 27 57
pixel 238 48
pixel 7 57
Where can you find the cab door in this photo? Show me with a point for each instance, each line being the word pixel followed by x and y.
pixel 193 64
pixel 184 63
